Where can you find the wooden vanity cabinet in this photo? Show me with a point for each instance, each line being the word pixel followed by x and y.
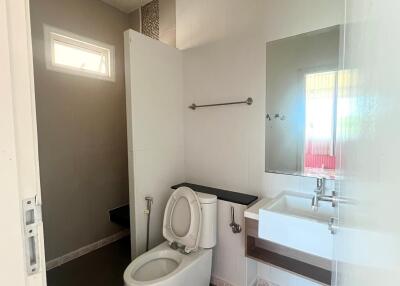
pixel 306 265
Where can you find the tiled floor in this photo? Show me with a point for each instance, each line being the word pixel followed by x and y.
pixel 103 267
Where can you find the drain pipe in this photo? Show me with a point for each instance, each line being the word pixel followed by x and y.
pixel 149 201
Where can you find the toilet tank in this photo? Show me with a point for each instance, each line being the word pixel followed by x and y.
pixel 208 236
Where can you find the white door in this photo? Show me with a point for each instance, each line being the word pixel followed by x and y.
pixel 367 244
pixel 21 237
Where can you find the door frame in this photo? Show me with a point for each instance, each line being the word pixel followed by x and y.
pixel 19 161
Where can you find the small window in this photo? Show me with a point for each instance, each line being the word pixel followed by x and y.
pixel 74 54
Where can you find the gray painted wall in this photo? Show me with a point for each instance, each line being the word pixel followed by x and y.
pixel 134 18
pixel 81 128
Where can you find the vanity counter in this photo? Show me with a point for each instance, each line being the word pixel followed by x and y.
pixel 270 246
pixel 252 212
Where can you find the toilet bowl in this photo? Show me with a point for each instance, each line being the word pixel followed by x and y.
pixel 163 266
pixel 189 223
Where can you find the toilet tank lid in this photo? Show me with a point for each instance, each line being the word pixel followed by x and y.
pixel 206 198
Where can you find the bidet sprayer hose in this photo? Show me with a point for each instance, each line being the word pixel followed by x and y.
pixel 149 201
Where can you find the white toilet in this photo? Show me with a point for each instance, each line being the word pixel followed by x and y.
pixel 190 222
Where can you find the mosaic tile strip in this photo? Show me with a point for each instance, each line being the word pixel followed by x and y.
pixel 151 19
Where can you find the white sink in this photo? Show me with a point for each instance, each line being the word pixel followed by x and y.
pixel 289 220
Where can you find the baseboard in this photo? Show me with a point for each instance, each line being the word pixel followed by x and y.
pixel 262 282
pixel 254 282
pixel 56 262
pixel 216 281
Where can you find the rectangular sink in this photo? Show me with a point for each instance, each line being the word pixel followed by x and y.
pixel 289 220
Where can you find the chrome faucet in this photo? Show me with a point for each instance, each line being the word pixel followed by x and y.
pixel 319 195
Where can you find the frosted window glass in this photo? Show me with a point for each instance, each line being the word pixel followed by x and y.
pixel 77 55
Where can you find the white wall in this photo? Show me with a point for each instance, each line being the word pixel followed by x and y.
pixel 225 268
pixel 155 144
pixel 224 60
pixel 155 131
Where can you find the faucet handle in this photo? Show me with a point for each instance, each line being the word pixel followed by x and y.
pixel 320 185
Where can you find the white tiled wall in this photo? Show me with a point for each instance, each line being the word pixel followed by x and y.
pixel 276 183
pixel 224 60
pixel 229 259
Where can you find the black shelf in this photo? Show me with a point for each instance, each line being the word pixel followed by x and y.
pixel 234 197
pixel 120 216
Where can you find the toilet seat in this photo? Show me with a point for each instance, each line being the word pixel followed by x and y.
pixel 182 219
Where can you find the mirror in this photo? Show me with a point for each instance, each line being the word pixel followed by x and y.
pixel 302 80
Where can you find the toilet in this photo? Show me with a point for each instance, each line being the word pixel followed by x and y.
pixel 190 230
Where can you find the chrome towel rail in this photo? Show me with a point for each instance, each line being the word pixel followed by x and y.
pixel 248 101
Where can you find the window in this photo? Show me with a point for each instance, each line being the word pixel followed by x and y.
pixel 320 120
pixel 66 52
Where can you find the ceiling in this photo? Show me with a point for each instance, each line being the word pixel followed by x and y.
pixel 126 6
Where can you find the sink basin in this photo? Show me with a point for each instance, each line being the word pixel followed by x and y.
pixel 289 220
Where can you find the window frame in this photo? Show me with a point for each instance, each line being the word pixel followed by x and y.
pixel 52 35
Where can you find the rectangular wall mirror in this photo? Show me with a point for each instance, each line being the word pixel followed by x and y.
pixel 302 87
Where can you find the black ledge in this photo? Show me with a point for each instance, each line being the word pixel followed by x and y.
pixel 233 197
pixel 120 216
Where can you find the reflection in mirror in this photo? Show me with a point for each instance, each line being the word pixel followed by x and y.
pixel 302 82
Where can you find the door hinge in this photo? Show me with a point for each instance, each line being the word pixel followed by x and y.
pixel 32 216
